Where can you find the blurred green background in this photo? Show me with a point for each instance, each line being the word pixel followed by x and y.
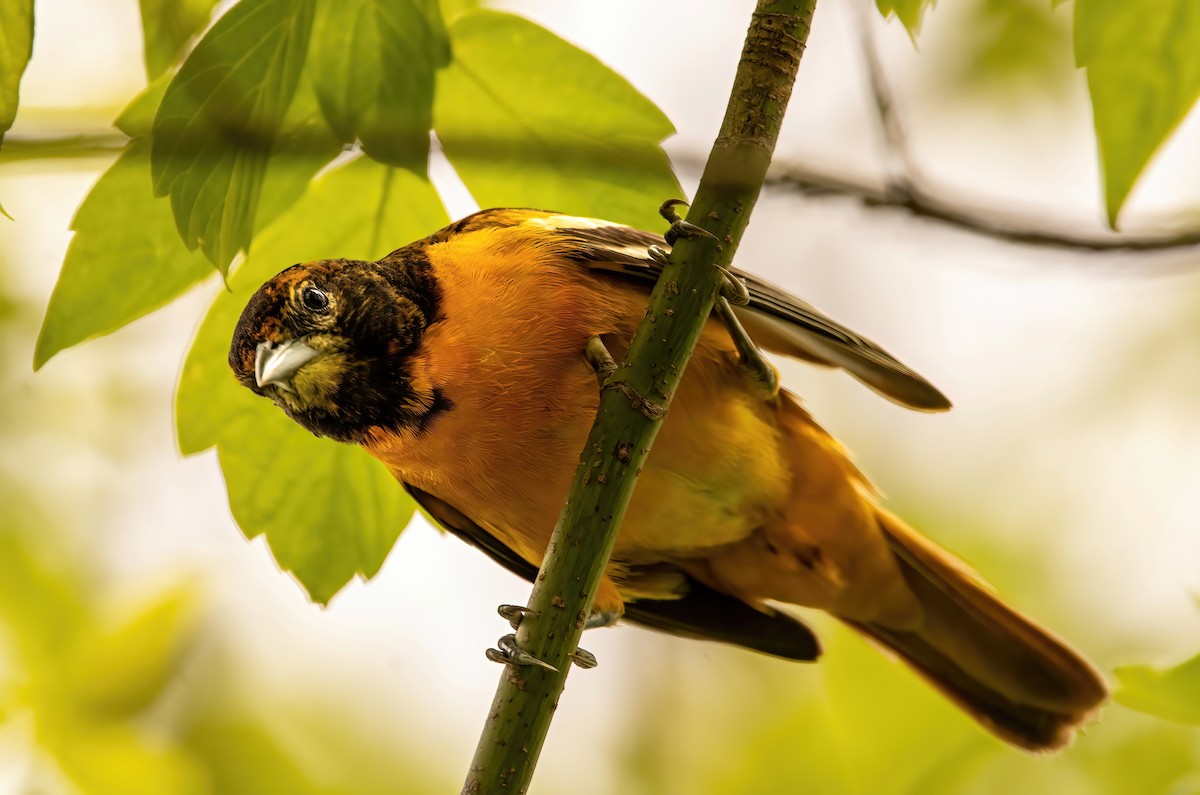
pixel 146 647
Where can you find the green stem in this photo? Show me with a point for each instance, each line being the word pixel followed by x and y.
pixel 634 399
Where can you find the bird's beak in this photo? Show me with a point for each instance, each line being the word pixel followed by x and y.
pixel 277 363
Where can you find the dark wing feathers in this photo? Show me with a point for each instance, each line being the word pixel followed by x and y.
pixel 775 319
pixel 701 613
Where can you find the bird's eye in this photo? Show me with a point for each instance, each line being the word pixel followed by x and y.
pixel 314 300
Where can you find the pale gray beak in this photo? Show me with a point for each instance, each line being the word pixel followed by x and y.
pixel 278 363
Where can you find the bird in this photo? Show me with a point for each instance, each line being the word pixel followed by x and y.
pixel 465 363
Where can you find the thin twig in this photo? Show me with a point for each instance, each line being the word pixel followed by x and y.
pixel 624 430
pixel 900 166
pixel 984 221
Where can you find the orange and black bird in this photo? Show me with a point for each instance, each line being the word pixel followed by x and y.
pixel 458 355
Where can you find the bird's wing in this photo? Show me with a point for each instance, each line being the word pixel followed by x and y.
pixel 776 320
pixel 700 613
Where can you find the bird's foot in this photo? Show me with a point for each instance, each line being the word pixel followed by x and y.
pixel 514 613
pixel 760 372
pixel 734 292
pixel 679 227
pixel 600 359
pixel 510 653
pixel 599 620
pixel 734 289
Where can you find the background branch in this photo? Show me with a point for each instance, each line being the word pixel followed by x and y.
pixel 955 211
pixel 907 196
pixel 634 399
pixel 900 166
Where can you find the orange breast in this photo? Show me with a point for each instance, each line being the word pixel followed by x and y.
pixel 509 355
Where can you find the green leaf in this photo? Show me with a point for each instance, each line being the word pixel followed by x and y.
pixel 167 25
pixel 328 510
pixel 219 118
pixel 138 116
pixel 518 138
pixel 1173 694
pixel 453 9
pixel 1143 70
pixel 909 12
pixel 16 45
pixel 305 145
pixel 374 63
pixel 124 261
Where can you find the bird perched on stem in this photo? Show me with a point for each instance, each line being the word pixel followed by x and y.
pixel 467 363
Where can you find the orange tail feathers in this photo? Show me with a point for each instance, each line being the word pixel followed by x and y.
pixel 1010 674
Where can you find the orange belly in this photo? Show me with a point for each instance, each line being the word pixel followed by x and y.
pixel 523 404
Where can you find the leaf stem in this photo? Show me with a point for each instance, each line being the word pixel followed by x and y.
pixel 620 439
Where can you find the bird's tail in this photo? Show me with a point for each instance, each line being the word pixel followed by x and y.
pixel 1011 675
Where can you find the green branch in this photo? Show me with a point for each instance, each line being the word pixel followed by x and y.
pixel 634 399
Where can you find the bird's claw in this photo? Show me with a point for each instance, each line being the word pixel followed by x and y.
pixel 601 361
pixel 679 227
pixel 734 289
pixel 510 653
pixel 598 620
pixel 514 613
pixel 659 254
pixel 755 366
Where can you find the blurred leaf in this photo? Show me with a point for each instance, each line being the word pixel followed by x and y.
pixel 1017 49
pixel 167 25
pixel 1136 757
pixel 219 118
pixel 248 758
pixel 909 12
pixel 118 759
pixel 870 727
pixel 103 708
pixel 16 45
pixel 124 261
pixel 40 608
pixel 453 9
pixel 1173 694
pixel 48 619
pixel 119 669
pixel 519 139
pixel 308 744
pixel 374 63
pixel 1143 69
pixel 873 728
pixel 328 510
pixel 138 116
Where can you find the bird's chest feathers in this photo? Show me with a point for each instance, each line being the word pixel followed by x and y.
pixel 521 400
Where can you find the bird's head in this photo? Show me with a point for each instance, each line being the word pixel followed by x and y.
pixel 333 344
